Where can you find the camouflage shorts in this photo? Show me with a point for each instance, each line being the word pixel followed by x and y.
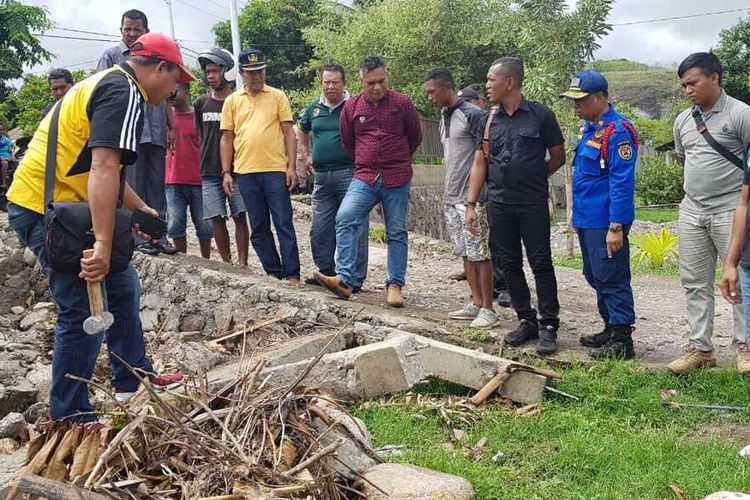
pixel 475 248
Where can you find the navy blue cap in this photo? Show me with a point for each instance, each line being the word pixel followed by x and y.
pixel 251 60
pixel 585 83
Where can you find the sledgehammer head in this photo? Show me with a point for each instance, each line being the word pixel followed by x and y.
pixel 94 325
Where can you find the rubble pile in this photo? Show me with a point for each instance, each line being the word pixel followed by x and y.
pixel 245 440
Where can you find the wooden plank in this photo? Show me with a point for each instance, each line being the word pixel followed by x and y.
pixel 55 490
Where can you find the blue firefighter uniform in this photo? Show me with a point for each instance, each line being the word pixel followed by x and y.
pixel 603 194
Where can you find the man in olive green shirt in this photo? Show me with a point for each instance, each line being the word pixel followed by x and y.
pixel 333 169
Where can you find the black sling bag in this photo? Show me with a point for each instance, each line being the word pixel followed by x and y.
pixel 68 227
pixel 703 130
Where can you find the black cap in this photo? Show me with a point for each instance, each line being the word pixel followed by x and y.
pixel 252 60
pixel 473 91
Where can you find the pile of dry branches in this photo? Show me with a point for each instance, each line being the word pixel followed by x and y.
pixel 243 441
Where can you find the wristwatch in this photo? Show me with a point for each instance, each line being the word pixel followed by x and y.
pixel 615 228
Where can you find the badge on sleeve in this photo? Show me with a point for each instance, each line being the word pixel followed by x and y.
pixel 625 150
pixel 316 112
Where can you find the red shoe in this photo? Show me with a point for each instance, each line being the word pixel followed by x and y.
pixel 167 380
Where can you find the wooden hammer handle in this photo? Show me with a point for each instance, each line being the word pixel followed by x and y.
pixel 96 303
pixel 491 387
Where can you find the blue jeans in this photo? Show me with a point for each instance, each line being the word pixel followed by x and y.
pixel 353 214
pixel 179 198
pixel 745 283
pixel 610 277
pixel 266 196
pixel 75 351
pixel 328 193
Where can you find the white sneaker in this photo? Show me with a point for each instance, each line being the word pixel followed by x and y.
pixel 486 319
pixel 469 311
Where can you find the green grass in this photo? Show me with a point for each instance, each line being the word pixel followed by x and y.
pixel 617 442
pixel 476 334
pixel 377 234
pixel 671 269
pixel 657 215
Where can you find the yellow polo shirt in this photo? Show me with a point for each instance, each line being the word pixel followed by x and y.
pixel 256 123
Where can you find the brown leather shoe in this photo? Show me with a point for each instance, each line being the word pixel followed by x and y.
pixel 334 285
pixel 691 360
pixel 394 298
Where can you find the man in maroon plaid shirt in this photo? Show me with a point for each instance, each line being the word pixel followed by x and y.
pixel 380 130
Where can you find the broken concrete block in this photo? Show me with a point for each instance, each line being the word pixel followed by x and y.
pixel 404 481
pixel 356 440
pixel 291 351
pixel 13 425
pixel 474 369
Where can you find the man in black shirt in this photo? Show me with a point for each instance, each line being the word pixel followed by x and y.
pixel 511 160
pixel 218 71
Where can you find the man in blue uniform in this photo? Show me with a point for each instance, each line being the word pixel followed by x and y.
pixel 604 209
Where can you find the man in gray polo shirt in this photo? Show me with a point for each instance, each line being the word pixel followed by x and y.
pixel 712 188
pixel 146 175
pixel 460 130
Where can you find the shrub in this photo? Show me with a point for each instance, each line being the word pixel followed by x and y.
pixel 377 234
pixel 659 182
pixel 655 250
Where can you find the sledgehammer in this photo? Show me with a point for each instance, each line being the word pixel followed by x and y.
pixel 100 320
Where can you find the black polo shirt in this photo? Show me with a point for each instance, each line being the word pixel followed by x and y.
pixel 517 170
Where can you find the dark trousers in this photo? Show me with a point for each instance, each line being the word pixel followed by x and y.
pixel 498 279
pixel 146 177
pixel 266 196
pixel 610 277
pixel 510 225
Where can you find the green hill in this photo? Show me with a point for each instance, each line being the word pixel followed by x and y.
pixel 653 91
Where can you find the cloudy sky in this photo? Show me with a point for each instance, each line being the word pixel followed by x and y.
pixel 665 42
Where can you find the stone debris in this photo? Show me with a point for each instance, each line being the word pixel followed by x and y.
pixel 409 482
pixel 13 425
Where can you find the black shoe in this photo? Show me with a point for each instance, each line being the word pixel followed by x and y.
pixel 619 346
pixel 598 339
pixel 147 248
pixel 547 343
pixel 166 248
pixel 503 298
pixel 525 331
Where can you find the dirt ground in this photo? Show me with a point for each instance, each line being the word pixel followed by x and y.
pixel 661 327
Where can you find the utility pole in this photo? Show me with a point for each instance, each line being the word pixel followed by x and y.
pixel 235 26
pixel 171 18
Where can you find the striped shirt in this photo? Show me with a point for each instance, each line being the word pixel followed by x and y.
pixel 104 110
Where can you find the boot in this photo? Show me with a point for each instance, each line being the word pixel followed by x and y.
pixel 598 339
pixel 526 330
pixel 393 297
pixel 547 343
pixel 619 345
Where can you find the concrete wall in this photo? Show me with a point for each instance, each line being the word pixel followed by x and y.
pixel 426 207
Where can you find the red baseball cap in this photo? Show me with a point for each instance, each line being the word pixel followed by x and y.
pixel 162 47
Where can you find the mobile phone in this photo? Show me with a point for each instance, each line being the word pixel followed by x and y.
pixel 150 225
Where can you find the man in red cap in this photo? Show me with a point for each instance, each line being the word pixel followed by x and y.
pixel 100 121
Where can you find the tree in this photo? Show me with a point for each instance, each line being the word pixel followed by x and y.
pixel 733 51
pixel 25 104
pixel 465 36
pixel 275 27
pixel 18 46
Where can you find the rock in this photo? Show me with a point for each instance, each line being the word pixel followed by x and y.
pixel 404 481
pixel 189 357
pixel 11 265
pixel 727 495
pixel 17 310
pixel 41 378
pixel 34 318
pixel 40 306
pixel 28 257
pixel 328 318
pixel 354 452
pixel 5 323
pixel 192 322
pixel 37 411
pixel 13 425
pixel 149 319
pixel 19 280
